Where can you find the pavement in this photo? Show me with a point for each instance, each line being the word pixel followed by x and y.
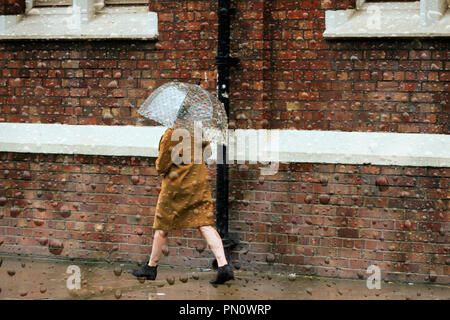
pixel 56 279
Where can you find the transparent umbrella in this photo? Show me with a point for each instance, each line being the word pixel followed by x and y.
pixel 184 105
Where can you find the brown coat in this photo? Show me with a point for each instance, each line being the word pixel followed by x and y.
pixel 185 199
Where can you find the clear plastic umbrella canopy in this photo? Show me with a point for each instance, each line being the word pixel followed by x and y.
pixel 184 105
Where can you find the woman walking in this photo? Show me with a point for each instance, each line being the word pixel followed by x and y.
pixel 184 202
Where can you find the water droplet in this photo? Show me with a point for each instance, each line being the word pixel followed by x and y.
pixel 173 175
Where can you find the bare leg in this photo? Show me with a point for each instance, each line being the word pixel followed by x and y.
pixel 214 241
pixel 159 240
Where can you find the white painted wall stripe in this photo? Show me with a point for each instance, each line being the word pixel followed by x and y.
pixel 378 148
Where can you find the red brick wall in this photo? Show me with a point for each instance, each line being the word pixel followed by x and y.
pixel 300 80
pixel 336 220
pixel 289 77
pixel 327 220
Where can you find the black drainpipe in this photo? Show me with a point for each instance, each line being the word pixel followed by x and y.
pixel 223 62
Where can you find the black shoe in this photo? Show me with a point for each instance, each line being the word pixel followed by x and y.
pixel 224 274
pixel 146 271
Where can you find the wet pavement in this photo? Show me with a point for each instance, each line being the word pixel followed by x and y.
pixel 42 278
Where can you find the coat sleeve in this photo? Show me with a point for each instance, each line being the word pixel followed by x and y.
pixel 207 153
pixel 164 160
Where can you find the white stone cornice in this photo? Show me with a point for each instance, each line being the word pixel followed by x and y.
pixel 377 148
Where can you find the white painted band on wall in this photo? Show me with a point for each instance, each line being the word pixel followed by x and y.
pixel 81 21
pixel 377 148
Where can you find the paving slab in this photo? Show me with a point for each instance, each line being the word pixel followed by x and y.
pixel 43 278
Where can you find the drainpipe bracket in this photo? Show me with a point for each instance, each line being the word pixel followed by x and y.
pixel 227 60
